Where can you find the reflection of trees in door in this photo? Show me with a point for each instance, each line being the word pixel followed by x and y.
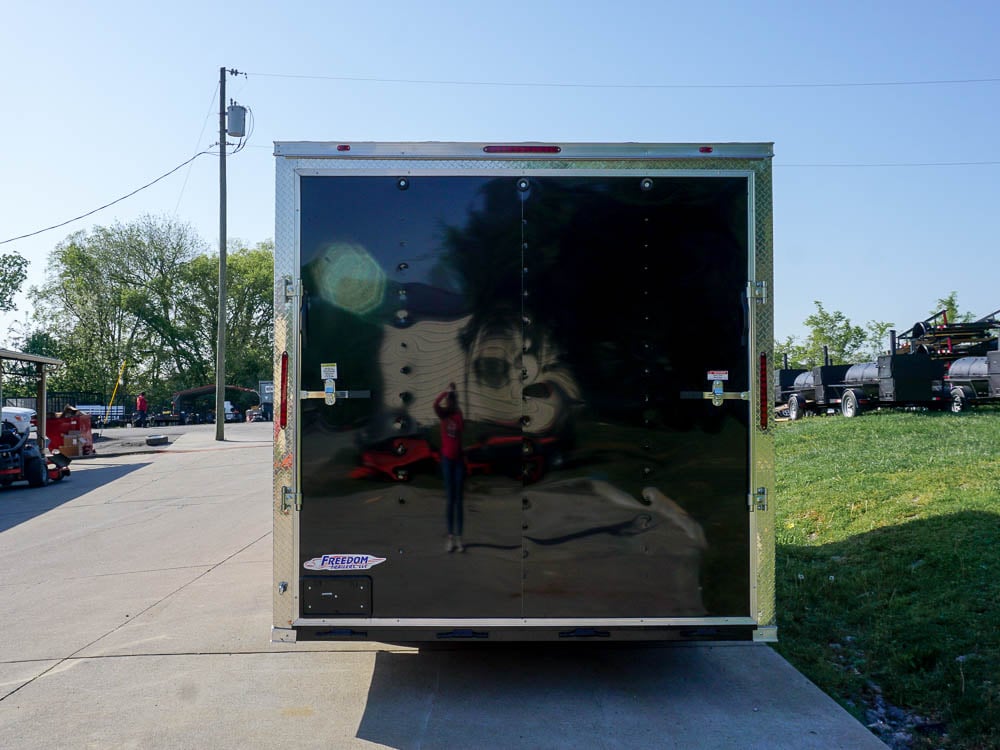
pixel 570 318
pixel 611 311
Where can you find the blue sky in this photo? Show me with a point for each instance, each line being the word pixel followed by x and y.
pixel 885 197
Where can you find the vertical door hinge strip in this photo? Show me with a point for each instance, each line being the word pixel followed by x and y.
pixel 289 499
pixel 757 290
pixel 293 289
pixel 758 500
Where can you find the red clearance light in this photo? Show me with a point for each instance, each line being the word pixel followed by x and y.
pixel 283 414
pixel 705 150
pixel 343 147
pixel 765 392
pixel 522 149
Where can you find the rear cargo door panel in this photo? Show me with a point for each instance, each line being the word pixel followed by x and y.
pixel 402 301
pixel 635 505
pixel 572 313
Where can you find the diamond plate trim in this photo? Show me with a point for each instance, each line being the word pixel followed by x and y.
pixel 285 605
pixel 762 532
pixel 285 262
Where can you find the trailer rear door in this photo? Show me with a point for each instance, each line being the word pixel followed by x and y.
pixel 586 319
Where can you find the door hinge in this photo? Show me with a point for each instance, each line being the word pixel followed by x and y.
pixel 293 289
pixel 290 499
pixel 758 500
pixel 758 291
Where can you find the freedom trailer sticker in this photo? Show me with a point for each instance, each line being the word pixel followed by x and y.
pixel 343 562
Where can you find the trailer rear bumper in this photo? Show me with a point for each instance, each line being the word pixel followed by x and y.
pixel 505 630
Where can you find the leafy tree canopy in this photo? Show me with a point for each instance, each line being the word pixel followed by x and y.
pixel 949 305
pixel 13 272
pixel 145 294
pixel 844 341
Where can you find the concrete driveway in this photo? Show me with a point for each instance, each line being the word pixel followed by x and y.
pixel 136 614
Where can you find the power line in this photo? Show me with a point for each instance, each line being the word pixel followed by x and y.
pixel 538 84
pixel 243 145
pixel 204 124
pixel 106 205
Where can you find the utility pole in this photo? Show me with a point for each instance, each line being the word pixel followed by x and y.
pixel 236 128
pixel 220 347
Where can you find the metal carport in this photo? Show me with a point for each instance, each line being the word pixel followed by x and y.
pixel 40 403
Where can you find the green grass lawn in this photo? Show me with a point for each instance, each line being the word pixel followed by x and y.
pixel 888 568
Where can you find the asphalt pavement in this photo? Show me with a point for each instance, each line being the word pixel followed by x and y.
pixel 136 614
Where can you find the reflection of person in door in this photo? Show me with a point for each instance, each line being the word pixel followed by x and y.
pixel 452 464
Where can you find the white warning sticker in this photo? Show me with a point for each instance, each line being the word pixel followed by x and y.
pixel 718 374
pixel 328 371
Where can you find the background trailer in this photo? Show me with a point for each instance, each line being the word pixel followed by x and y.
pixel 603 314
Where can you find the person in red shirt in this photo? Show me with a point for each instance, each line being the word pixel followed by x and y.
pixel 452 463
pixel 141 407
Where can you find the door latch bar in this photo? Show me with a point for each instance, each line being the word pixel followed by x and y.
pixel 718 394
pixel 324 395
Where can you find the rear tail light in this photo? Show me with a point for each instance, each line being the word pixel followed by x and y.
pixel 283 414
pixel 765 398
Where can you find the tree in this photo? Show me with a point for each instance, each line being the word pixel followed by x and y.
pixel 249 312
pixel 13 272
pixel 845 342
pixel 876 339
pixel 250 344
pixel 111 297
pixel 949 305
pixel 146 293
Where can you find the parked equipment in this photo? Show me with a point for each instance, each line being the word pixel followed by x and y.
pixel 614 470
pixel 940 339
pixel 23 457
pixel 69 432
pixel 894 380
pixel 973 380
pixel 22 460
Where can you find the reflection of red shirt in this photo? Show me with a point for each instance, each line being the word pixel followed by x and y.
pixel 452 425
pixel 140 403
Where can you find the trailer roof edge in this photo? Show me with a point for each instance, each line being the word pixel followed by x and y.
pixel 521 150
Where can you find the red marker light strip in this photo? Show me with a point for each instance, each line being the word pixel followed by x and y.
pixel 283 414
pixel 522 149
pixel 764 391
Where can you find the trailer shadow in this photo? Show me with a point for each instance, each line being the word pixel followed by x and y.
pixel 550 695
pixel 20 503
pixel 900 621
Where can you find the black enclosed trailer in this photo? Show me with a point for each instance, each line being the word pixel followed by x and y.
pixel 614 464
